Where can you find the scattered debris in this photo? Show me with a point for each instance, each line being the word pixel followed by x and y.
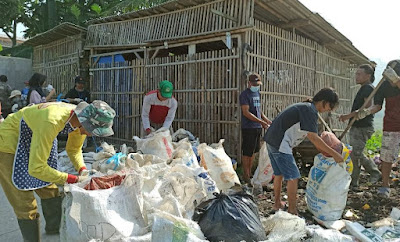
pixel 283 226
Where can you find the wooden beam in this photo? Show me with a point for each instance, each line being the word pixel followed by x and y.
pixel 335 42
pixel 155 54
pixel 137 55
pixel 266 7
pixel 295 23
pixel 348 57
pixel 214 11
pixel 164 9
pixel 180 6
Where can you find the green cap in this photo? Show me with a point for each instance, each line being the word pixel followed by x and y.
pixel 166 88
pixel 97 117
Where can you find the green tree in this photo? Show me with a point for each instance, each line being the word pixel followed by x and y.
pixel 11 13
pixel 124 6
pixel 41 15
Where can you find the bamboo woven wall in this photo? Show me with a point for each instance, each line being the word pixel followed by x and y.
pixel 294 68
pixel 214 17
pixel 206 88
pixel 59 61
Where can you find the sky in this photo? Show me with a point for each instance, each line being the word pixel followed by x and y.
pixel 372 26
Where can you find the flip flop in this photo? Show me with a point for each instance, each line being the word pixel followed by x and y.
pixel 384 192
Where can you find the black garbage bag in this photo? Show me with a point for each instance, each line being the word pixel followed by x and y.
pixel 231 217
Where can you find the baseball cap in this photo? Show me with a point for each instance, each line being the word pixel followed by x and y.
pixel 15 93
pixel 255 79
pixel 97 117
pixel 79 79
pixel 166 88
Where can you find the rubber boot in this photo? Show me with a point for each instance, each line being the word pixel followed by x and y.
pixel 30 229
pixel 52 214
pixel 372 169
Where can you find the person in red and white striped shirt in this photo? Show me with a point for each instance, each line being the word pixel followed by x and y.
pixel 159 107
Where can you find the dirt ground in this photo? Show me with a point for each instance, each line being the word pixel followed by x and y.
pixel 379 208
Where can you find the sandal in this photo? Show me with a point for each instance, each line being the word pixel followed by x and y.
pixel 384 192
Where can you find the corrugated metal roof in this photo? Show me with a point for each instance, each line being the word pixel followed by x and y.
pixel 61 31
pixel 287 14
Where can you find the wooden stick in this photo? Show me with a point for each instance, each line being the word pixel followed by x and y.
pixel 324 123
pixel 362 107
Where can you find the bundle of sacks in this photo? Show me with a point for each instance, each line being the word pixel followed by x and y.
pixel 328 181
pixel 150 195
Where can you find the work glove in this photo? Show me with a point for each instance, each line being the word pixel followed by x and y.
pixel 390 74
pixel 84 172
pixel 363 113
pixel 148 131
pixel 83 178
pixel 78 100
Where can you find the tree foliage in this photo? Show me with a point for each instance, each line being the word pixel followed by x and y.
pixel 41 15
pixel 11 13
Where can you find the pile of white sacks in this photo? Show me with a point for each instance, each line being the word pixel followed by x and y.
pixel 163 184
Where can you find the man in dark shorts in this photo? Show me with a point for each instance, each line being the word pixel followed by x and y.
pixel 253 120
pixel 390 93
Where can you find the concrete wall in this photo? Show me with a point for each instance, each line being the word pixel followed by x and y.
pixel 17 70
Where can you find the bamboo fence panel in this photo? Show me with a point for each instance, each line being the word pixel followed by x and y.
pixel 120 84
pixel 214 17
pixel 206 88
pixel 59 61
pixel 294 68
pixel 207 101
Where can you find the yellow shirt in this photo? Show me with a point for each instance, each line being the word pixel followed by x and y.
pixel 45 120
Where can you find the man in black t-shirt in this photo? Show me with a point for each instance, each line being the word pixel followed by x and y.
pixel 78 93
pixel 362 130
pixel 390 93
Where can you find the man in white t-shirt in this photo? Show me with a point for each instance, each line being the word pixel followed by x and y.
pixel 159 107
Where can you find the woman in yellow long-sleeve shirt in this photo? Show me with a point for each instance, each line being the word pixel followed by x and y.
pixel 28 157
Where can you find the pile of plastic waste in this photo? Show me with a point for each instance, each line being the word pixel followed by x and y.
pixel 152 195
pixel 175 189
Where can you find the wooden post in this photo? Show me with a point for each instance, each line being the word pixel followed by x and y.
pixel 191 74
